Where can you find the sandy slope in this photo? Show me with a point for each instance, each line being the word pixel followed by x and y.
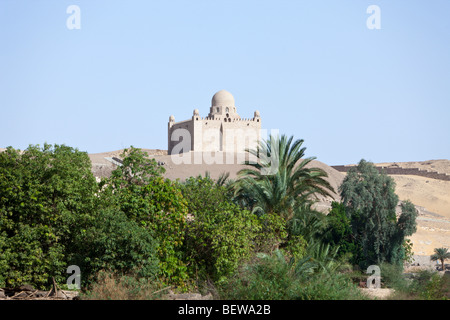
pixel 433 198
pixel 432 194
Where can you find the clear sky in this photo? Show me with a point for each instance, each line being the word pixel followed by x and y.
pixel 312 68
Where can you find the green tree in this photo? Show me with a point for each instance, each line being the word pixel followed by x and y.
pixel 307 222
pixel 370 202
pixel 219 233
pixel 339 233
pixel 138 189
pixel 112 242
pixel 45 195
pixel 281 178
pixel 441 254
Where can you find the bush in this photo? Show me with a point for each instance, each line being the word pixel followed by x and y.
pixel 110 286
pixel 423 285
pixel 271 277
pixel 219 234
pixel 339 232
pixel 44 194
pixel 264 278
pixel 138 189
pixel 114 243
pixel 272 234
pixel 392 276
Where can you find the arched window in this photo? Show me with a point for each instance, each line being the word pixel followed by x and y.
pixel 227 109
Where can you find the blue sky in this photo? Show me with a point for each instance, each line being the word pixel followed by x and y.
pixel 312 68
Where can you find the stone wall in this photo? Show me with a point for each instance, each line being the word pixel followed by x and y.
pixel 403 171
pixel 215 134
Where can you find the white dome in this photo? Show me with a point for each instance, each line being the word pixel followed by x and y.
pixel 222 98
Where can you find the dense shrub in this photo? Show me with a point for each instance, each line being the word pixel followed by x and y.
pixel 339 232
pixel 423 285
pixel 392 276
pixel 219 233
pixel 272 233
pixel 44 194
pixel 272 277
pixel 115 243
pixel 138 189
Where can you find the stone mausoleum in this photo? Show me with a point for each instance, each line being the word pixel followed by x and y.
pixel 223 130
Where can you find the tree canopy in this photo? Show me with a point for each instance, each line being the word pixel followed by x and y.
pixel 370 203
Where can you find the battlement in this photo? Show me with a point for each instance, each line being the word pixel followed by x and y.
pixel 231 119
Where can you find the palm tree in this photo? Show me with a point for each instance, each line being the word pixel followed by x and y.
pixel 441 254
pixel 290 183
pixel 307 222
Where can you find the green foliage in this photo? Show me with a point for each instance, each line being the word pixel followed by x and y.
pixel 392 276
pixel 339 233
pixel 272 277
pixel 138 189
pixel 295 247
pixel 115 243
pixel 44 193
pixel 272 233
pixel 408 250
pixel 437 288
pixel 370 202
pixel 330 286
pixel 424 285
pixel 281 178
pixel 324 256
pixel 219 233
pixel 136 169
pixel 256 238
pixel 307 222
